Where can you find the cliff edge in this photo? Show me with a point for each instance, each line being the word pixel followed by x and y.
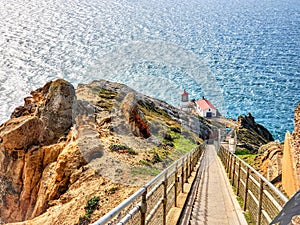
pixel 65 147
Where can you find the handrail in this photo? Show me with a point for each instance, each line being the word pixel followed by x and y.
pixel 265 180
pixel 260 197
pixel 120 207
pixel 181 168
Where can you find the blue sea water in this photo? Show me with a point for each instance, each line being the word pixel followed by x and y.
pixel 242 55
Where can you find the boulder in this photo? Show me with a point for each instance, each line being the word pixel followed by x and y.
pixel 271 161
pixel 21 133
pixel 252 135
pixel 28 144
pixel 57 111
pixel 135 117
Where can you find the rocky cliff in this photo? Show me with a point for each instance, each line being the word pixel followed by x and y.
pixel 65 146
pixel 270 161
pixel 291 160
pixel 252 135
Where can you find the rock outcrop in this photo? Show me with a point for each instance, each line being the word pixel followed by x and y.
pixel 252 135
pixel 291 159
pixel 55 150
pixel 135 117
pixel 270 161
pixel 42 121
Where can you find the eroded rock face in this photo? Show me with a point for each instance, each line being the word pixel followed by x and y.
pixel 48 171
pixel 135 117
pixel 271 161
pixel 28 145
pixel 21 133
pixel 252 135
pixel 57 112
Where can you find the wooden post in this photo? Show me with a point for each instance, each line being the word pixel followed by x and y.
pixel 230 165
pixel 176 184
pixel 191 166
pixel 187 170
pixel 228 160
pixel 182 176
pixel 233 171
pixel 259 210
pixel 144 208
pixel 246 189
pixel 238 179
pixel 165 199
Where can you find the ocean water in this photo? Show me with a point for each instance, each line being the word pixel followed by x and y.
pixel 242 55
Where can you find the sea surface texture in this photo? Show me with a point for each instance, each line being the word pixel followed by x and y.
pixel 242 55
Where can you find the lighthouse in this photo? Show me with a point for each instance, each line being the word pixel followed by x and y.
pixel 185 104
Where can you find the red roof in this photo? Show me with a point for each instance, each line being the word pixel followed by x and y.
pixel 184 93
pixel 205 104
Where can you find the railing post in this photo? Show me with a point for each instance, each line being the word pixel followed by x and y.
pixel 182 176
pixel 246 189
pixel 238 179
pixel 233 171
pixel 165 199
pixel 144 208
pixel 187 170
pixel 228 160
pixel 191 168
pixel 230 166
pixel 261 191
pixel 176 184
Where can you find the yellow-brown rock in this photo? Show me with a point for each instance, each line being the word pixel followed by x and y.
pixel 45 117
pixel 55 155
pixel 291 158
pixel 135 117
pixel 21 133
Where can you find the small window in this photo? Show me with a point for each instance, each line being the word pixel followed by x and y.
pixel 208 109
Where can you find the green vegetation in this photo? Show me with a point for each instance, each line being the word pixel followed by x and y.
pixel 90 207
pixel 159 154
pixel 243 151
pixel 152 171
pixel 119 147
pixel 107 94
pixel 132 152
pixel 184 145
pixel 248 157
pixel 112 190
pixel 106 105
pixel 241 203
pixel 146 163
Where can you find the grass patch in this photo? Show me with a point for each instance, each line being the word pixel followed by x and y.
pixel 123 149
pixel 184 145
pixel 240 151
pixel 248 157
pixel 106 105
pixel 107 94
pixel 90 207
pixel 140 170
pixel 241 203
pixel 160 154
pixel 145 163
pixel 112 190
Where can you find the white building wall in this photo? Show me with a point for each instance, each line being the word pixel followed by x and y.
pixel 203 112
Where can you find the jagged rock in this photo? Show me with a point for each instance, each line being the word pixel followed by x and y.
pixel 57 111
pixel 252 135
pixel 44 118
pixel 271 161
pixel 135 117
pixel 21 133
pixel 48 171
pixel 291 159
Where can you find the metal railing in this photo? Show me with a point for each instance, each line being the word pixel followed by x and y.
pixel 260 197
pixel 151 203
